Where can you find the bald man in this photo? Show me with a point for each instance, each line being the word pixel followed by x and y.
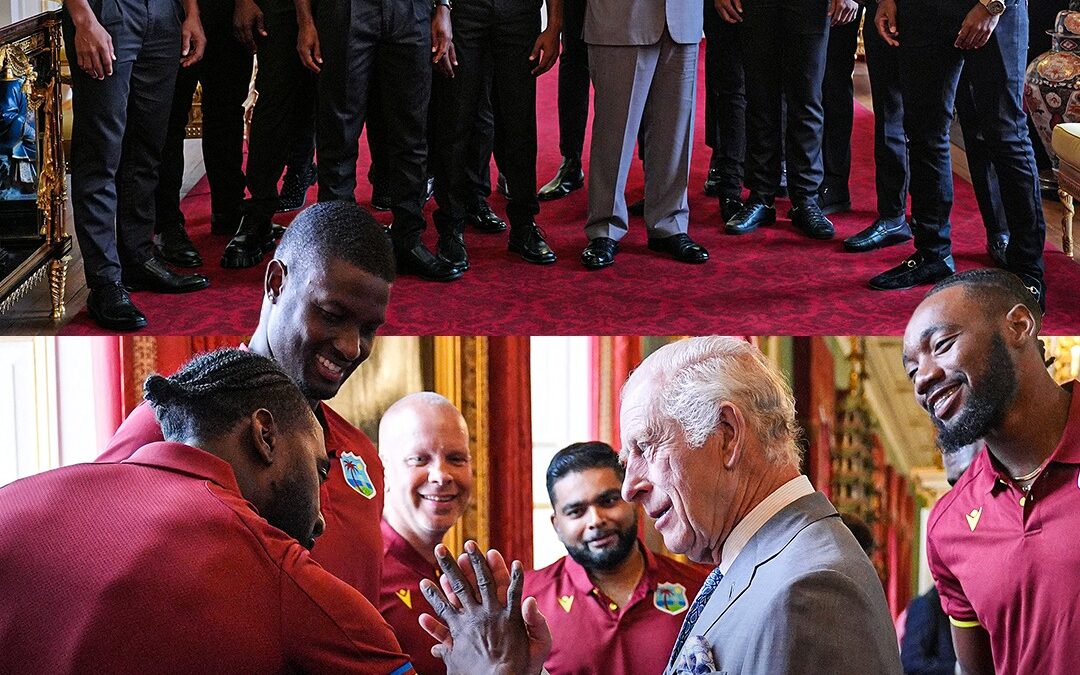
pixel 424 447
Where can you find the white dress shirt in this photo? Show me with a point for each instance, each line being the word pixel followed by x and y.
pixel 746 528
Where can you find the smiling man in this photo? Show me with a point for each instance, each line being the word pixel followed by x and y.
pixel 710 446
pixel 424 446
pixel 612 606
pixel 1001 543
pixel 324 297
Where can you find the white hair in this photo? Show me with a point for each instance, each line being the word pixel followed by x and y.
pixel 698 374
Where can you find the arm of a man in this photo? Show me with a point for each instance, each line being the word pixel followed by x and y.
pixel 972 645
pixel 192 38
pixel 970 640
pixel 307 38
pixel 93 44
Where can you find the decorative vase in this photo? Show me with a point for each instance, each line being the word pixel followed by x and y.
pixel 1052 81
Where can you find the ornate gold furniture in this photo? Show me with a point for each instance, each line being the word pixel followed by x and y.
pixel 33 242
pixel 1066 141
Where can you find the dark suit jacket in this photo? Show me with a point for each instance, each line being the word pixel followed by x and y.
pixel 927 647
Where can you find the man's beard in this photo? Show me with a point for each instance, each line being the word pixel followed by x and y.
pixel 607 559
pixel 288 510
pixel 987 402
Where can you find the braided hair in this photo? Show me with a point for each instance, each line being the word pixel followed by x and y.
pixel 342 230
pixel 212 392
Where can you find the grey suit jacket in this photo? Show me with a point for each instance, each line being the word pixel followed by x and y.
pixel 641 22
pixel 801 597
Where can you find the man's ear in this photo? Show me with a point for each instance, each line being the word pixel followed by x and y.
pixel 1020 325
pixel 264 433
pixel 274 280
pixel 731 434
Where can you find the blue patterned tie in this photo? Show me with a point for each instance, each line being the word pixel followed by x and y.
pixel 696 608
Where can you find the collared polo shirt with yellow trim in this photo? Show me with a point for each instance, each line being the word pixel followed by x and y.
pixel 1010 561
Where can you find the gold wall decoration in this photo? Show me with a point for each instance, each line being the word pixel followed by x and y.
pixel 1065 351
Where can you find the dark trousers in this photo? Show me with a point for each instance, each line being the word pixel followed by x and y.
pixel 118 130
pixel 984 179
pixel 890 143
pixel 930 74
pixel 389 45
pixel 837 101
pixel 225 72
pixel 784 44
pixel 283 120
pixel 573 81
pixel 725 101
pixel 499 45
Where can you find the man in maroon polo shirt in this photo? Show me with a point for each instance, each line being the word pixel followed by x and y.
pixel 1002 543
pixel 324 297
pixel 191 555
pixel 612 605
pixel 424 447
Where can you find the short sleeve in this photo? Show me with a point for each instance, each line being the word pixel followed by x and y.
pixel 953 601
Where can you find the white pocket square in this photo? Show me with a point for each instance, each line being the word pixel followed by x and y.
pixel 696 658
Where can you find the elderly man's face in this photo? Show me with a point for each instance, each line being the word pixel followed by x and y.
pixel 961 369
pixel 684 489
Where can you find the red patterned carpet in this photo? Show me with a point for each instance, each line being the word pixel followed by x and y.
pixel 774 281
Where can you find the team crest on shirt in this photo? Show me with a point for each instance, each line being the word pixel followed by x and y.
pixel 670 598
pixel 356 475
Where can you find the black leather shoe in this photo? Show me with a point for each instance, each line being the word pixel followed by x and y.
pixel 451 249
pixel 569 177
pixel 599 253
pixel 917 270
pixel 996 245
pixel 250 243
pixel 225 224
pixel 174 246
pixel 294 187
pixel 111 307
pixel 636 208
pixel 1037 288
pixel 834 200
pixel 881 233
pixel 418 261
pixel 483 219
pixel 380 199
pixel 752 215
pixel 729 206
pixel 500 185
pixel 528 242
pixel 712 183
pixel 681 247
pixel 809 219
pixel 153 275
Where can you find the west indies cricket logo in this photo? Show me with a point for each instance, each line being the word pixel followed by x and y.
pixel 356 475
pixel 670 598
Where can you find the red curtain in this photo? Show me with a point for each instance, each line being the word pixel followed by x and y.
pixel 510 447
pixel 611 358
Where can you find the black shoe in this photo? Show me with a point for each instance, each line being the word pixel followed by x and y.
pixel 111 307
pixel 996 246
pixel 881 233
pixel 681 247
pixel 917 270
pixel 429 188
pixel 483 219
pixel 153 275
pixel 599 253
pixel 174 246
pixel 528 242
pixel 225 224
pixel 1037 287
pixel 569 177
pixel 252 241
pixel 729 206
pixel 380 199
pixel 418 261
pixel 752 215
pixel 834 200
pixel 712 183
pixel 500 185
pixel 636 208
pixel 294 187
pixel 451 249
pixel 809 219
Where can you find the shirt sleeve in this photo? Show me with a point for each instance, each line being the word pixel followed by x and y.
pixel 329 627
pixel 953 600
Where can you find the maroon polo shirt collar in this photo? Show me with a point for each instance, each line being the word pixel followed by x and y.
pixel 579 577
pixel 398 547
pixel 990 475
pixel 186 459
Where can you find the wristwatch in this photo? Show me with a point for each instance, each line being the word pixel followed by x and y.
pixel 995 7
